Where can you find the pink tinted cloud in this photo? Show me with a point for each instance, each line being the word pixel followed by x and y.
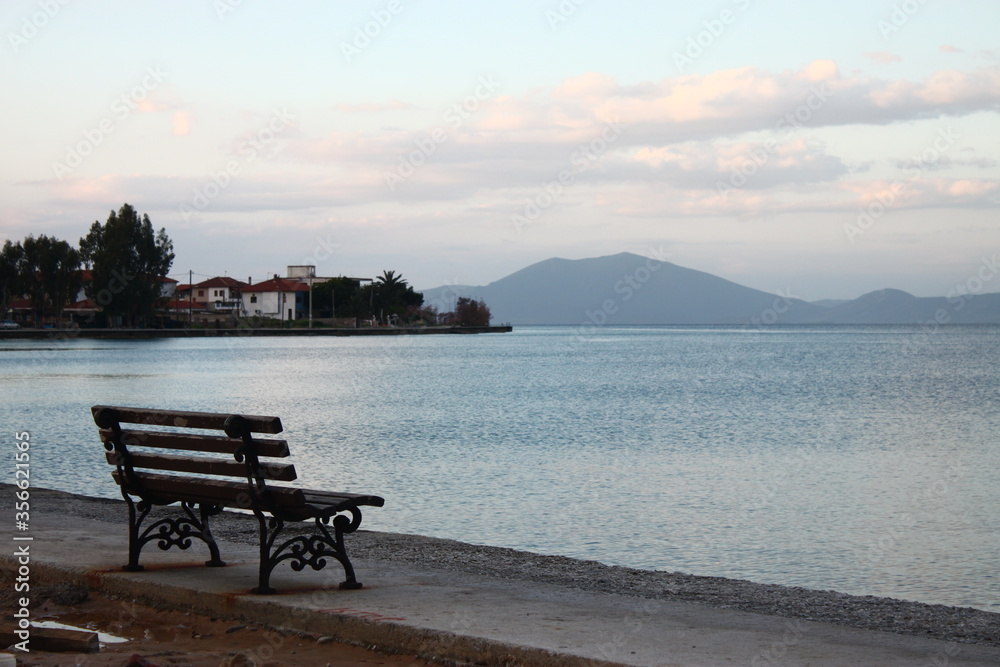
pixel 674 110
pixel 923 193
pixel 742 165
pixel 182 124
pixel 681 135
pixel 947 91
pixel 730 102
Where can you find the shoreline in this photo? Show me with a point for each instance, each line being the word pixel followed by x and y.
pixel 958 624
pixel 117 334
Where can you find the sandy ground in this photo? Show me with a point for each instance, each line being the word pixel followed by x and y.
pixel 163 638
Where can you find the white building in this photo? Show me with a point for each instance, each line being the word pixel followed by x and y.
pixel 284 299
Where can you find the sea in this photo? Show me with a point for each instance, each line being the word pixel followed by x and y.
pixel 859 459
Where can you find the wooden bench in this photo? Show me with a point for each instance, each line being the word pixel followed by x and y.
pixel 203 486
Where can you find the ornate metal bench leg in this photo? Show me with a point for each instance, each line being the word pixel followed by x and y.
pixel 134 524
pixel 340 525
pixel 302 550
pixel 267 538
pixel 206 535
pixel 169 532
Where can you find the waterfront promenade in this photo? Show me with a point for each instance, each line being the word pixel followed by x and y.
pixel 468 604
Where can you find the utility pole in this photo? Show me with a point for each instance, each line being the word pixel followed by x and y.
pixel 190 298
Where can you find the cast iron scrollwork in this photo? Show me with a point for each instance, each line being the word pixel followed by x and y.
pixel 307 550
pixel 170 532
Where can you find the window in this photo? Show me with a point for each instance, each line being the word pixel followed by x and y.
pixel 253 298
pixel 201 292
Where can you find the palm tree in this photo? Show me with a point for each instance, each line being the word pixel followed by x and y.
pixel 393 295
pixel 390 281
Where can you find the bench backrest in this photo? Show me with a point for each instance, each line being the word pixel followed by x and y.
pixel 141 448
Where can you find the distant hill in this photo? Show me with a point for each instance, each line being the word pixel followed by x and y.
pixel 893 306
pixel 631 289
pixel 623 289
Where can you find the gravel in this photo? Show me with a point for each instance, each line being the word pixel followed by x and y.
pixel 959 624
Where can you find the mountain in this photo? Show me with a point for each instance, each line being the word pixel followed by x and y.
pixel 623 289
pixel 893 306
pixel 631 289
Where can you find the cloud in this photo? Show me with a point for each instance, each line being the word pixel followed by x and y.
pixel 819 70
pixel 684 135
pixel 970 188
pixel 543 124
pixel 944 92
pixel 669 143
pixel 749 99
pixel 947 48
pixel 923 193
pixel 182 124
pixel 748 165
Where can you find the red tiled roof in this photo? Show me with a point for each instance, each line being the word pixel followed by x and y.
pixel 221 281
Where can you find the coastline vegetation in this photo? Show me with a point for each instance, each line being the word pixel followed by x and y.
pixel 125 259
pixel 121 267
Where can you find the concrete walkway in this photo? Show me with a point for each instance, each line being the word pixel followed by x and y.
pixel 462 617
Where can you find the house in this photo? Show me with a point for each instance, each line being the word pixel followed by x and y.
pixel 220 294
pixel 284 299
pixel 168 286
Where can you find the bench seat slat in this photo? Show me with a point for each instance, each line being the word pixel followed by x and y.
pixel 319 498
pixel 217 444
pixel 326 504
pixel 166 489
pixel 284 472
pixel 302 503
pixel 184 419
pixel 200 489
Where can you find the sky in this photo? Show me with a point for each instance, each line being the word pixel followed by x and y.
pixel 817 149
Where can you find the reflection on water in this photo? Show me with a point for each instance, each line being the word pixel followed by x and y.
pixel 857 459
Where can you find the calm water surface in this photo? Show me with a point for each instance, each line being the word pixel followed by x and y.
pixel 863 460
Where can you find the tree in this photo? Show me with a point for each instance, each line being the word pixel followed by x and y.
pixel 471 313
pixel 342 294
pixel 391 295
pixel 390 281
pixel 11 275
pixel 128 262
pixel 50 275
